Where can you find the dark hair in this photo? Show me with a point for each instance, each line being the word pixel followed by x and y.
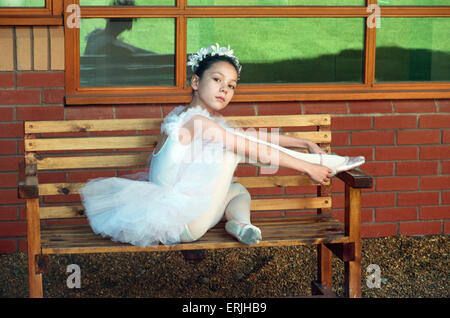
pixel 123 3
pixel 210 60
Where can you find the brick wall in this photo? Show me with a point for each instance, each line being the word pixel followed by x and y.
pixel 406 143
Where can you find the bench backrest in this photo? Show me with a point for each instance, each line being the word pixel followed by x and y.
pixel 68 153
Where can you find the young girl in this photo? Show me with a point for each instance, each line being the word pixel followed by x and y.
pixel 190 182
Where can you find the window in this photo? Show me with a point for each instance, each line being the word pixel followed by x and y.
pixel 135 51
pixel 31 12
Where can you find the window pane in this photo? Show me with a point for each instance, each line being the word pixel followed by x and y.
pixel 127 2
pixel 414 2
pixel 276 3
pixel 22 3
pixel 123 52
pixel 286 50
pixel 413 49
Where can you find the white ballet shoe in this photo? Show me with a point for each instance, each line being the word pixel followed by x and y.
pixel 245 233
pixel 349 163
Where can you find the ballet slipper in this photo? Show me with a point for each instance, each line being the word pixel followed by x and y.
pixel 349 163
pixel 245 233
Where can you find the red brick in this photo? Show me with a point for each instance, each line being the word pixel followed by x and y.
pixel 435 212
pixel 417 198
pixel 8 246
pixel 379 168
pixel 351 123
pixel 366 152
pixel 434 121
pixel 393 122
pixel 445 167
pixel 51 177
pixel 377 200
pixel 420 228
pixel 83 176
pixel 286 108
pixel 414 137
pixel 136 111
pixel 330 107
pixel 265 191
pixel 8 213
pixel 11 130
pixel 434 152
pixel 10 163
pixel 446 137
pixel 370 107
pixel 300 190
pixel 7 80
pixel 40 113
pixel 444 105
pixel 53 96
pixel 89 112
pixel 414 106
pixel 446 197
pixel 7 147
pixel 432 183
pixel 245 171
pixel 10 197
pixel 396 214
pixel 397 183
pixel 239 109
pixel 40 79
pixel 378 230
pixel 396 153
pixel 6 114
pixel 9 229
pixel 20 97
pixel 9 180
pixel 415 168
pixel 340 139
pixel 373 138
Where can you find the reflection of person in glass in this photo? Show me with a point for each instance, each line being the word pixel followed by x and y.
pixel 106 42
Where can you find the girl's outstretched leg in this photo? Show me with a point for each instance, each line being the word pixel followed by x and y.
pixel 237 214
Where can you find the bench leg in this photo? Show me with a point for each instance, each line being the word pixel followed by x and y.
pixel 352 269
pixel 352 274
pixel 324 270
pixel 34 246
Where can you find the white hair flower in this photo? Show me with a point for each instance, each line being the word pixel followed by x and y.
pixel 195 59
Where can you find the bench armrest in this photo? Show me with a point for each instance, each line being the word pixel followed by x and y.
pixel 28 182
pixel 356 178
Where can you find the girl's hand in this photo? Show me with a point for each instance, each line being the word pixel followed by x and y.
pixel 319 174
pixel 314 148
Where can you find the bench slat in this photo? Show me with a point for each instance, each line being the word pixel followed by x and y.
pixel 248 182
pixel 79 238
pixel 73 211
pixel 128 142
pixel 84 162
pixel 33 127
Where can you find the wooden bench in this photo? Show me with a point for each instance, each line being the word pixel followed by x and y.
pixel 122 146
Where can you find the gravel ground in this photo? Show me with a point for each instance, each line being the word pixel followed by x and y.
pixel 409 266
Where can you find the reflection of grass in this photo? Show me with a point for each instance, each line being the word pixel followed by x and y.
pixel 319 40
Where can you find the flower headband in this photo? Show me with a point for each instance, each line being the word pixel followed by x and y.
pixel 195 59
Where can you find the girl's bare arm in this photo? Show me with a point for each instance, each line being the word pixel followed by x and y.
pixel 284 141
pixel 245 147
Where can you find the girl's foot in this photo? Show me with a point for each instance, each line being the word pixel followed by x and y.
pixel 349 163
pixel 245 233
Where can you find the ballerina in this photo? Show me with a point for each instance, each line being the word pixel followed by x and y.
pixel 190 181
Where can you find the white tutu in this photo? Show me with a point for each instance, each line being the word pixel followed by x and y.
pixel 179 187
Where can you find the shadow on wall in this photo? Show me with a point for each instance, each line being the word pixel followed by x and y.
pixel 393 64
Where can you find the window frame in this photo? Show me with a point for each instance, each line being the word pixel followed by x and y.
pixel 181 92
pixel 50 15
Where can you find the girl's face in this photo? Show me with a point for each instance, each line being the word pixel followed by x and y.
pixel 216 87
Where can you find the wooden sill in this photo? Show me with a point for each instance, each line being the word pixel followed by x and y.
pixel 32 20
pixel 184 96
